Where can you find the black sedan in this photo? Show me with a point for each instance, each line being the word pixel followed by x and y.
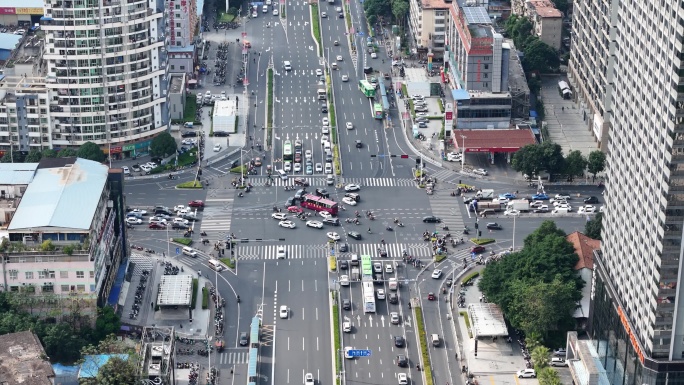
pixel 494 226
pixel 591 199
pixel 222 134
pixel 354 234
pixel 399 341
pixel 431 219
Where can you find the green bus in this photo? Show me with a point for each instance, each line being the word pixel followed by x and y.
pixel 377 111
pixel 287 150
pixel 366 266
pixel 367 88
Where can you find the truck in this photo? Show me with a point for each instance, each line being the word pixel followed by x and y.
pixel 519 204
pixel 355 276
pixel 393 284
pixel 493 205
pixel 482 195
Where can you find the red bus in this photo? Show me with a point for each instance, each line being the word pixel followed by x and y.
pixel 317 203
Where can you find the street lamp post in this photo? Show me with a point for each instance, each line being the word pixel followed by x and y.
pixel 463 138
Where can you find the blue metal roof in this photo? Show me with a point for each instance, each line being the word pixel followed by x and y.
pixel 65 197
pixel 17 173
pixel 189 48
pixel 460 94
pixel 253 359
pixel 254 332
pixel 9 41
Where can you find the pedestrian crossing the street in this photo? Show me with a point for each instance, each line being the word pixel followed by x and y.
pixel 234 358
pixel 394 250
pixel 321 181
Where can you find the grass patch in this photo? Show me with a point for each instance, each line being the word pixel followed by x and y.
pixel 466 280
pixel 332 262
pixel 441 133
pixel 269 112
pixel 183 241
pixel 440 257
pixel 348 18
pixel 336 161
pixel 205 298
pixel 225 17
pixel 482 241
pixel 467 322
pixel 441 105
pixel 236 170
pixel 195 284
pixel 435 117
pixel 316 27
pixel 230 262
pixel 187 158
pixel 412 107
pixel 404 90
pixel 417 173
pixel 423 344
pixel 338 343
pixel 191 184
pixel 190 110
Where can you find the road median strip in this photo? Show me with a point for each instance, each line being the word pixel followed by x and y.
pixel 422 335
pixel 269 106
pixel 316 27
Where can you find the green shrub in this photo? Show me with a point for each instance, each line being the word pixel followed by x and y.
pixel 467 322
pixel 422 335
pixel 236 170
pixel 195 284
pixel 205 298
pixel 440 257
pixel 469 277
pixel 338 343
pixel 183 241
pixel 404 90
pixel 191 184
pixel 230 262
pixel 269 111
pixel 47 245
pixel 188 157
pixel 482 241
pixel 316 27
pixel 332 262
pixel 441 105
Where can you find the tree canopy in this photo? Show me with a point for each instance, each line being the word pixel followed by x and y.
pixel 596 162
pixel 118 370
pixel 537 287
pixel 575 164
pixel 593 227
pixel 533 158
pixel 91 151
pixel 163 145
pixel 540 57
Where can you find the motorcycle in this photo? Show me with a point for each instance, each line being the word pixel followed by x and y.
pixel 238 299
pixel 400 224
pixel 241 195
pixel 389 228
pixel 203 233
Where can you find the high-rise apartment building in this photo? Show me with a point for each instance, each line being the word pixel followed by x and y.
pixel 627 64
pixel 182 18
pixel 106 69
pixel 427 20
pixel 589 66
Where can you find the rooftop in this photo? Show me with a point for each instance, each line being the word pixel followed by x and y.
pixel 64 193
pixel 225 108
pixel 23 360
pixel 476 15
pixel 517 81
pixel 544 8
pixel 175 290
pixel 176 83
pixel 9 41
pixel 584 247
pixel 175 49
pixel 487 320
pixel 434 4
pixel 500 140
pixel 24 4
pixel 17 173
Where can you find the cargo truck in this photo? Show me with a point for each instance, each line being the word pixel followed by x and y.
pixel 522 205
pixel 493 205
pixel 482 195
pixel 355 276
pixel 393 284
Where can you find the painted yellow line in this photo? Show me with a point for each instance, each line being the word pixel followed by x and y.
pixel 516 379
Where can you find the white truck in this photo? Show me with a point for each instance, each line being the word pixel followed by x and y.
pixel 355 276
pixel 393 284
pixel 521 205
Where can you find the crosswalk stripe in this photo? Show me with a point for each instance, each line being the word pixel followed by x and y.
pixel 233 358
pixel 395 250
pixel 318 181
pixel 217 217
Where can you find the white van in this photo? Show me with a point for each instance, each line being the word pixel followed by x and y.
pixel 214 264
pixel 287 65
pixel 328 168
pixel 282 174
pixel 561 210
pixel 187 250
pixel 330 180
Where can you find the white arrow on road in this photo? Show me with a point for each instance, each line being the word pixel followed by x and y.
pixel 370 319
pixel 277 100
pixel 358 320
pixel 306 23
pixel 310 48
pixel 407 322
pixel 382 319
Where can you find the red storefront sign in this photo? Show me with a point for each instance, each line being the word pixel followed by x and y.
pixel 8 11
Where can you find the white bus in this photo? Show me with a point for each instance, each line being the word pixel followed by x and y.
pixel 368 297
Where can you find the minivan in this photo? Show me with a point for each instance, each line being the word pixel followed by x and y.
pixel 328 168
pixel 282 174
pixel 187 250
pixel 287 65
pixel 330 180
pixel 435 339
pixel 561 210
pixel 355 260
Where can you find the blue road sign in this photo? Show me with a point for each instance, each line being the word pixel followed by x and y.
pixel 360 353
pixel 177 250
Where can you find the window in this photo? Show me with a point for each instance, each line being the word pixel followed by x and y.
pixel 65 288
pixel 178 25
pixel 92 288
pixel 179 34
pixel 42 274
pixel 182 68
pixel 80 274
pixel 48 288
pixel 80 287
pixel 63 274
pixel 29 275
pixel 173 67
pixel 13 274
pixel 91 273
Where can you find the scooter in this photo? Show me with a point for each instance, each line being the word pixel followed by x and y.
pixel 241 195
pixel 203 233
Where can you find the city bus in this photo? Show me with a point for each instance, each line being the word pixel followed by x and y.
pixel 317 203
pixel 368 297
pixel 287 150
pixel 377 111
pixel 367 88
pixel 321 94
pixel 366 267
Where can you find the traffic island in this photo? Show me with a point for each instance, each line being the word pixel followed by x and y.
pixel 195 184
pixel 420 325
pixel 482 241
pixel 182 241
pixel 269 107
pixel 316 27
pixel 230 262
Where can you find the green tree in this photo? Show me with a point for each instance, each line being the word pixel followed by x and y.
pixel 548 376
pixel 596 162
pixel 163 145
pixel 519 28
pixel 593 227
pixel 107 323
pixel 528 159
pixel 47 245
pixel 540 56
pixel 540 357
pixel 575 164
pixel 61 343
pixel 552 157
pixel 91 151
pixel 118 371
pixel 66 153
pixel 49 153
pixel 34 156
pixel 7 157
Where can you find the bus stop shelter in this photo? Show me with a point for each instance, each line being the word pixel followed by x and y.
pixel 492 141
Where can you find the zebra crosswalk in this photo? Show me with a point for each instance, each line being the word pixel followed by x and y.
pixel 228 358
pixel 445 175
pixel 317 181
pixel 394 250
pixel 448 208
pixel 217 215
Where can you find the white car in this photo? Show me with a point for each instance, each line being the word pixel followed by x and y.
pixel 349 126
pixel 319 72
pixel 333 235
pixel 288 166
pixel 178 208
pixel 324 139
pixel 181 221
pixel 344 280
pixel 318 167
pixel 454 157
pixel 527 373
pixel 275 12
pixel 558 361
pixel 437 274
pixel 328 168
pixel 512 212
pixel 536 204
pixel 380 293
pixel 586 210
pixel 284 312
pixel 480 171
pixel 126 170
pixel 349 201
pixel 419 114
pixel 374 55
pixel 157 220
pixel 562 196
pixel 188 141
pixel 352 187
pixel 308 154
pixel 134 221
pixel 281 253
pixel 403 378
pixel 139 211
pixel 564 206
pixel 308 379
pixel 326 122
pixel 287 224
pixel 297 167
pixel 347 326
pixel 345 78
pixel 325 130
pixel 325 214
pixel 558 202
pixel 394 318
pixel 347 352
pixel 279 216
pixel 417 97
pixel 314 224
pixel 217 147
pixel 388 268
pixel 339 58
pixel 151 165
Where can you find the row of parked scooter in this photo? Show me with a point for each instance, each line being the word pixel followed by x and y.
pixel 139 293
